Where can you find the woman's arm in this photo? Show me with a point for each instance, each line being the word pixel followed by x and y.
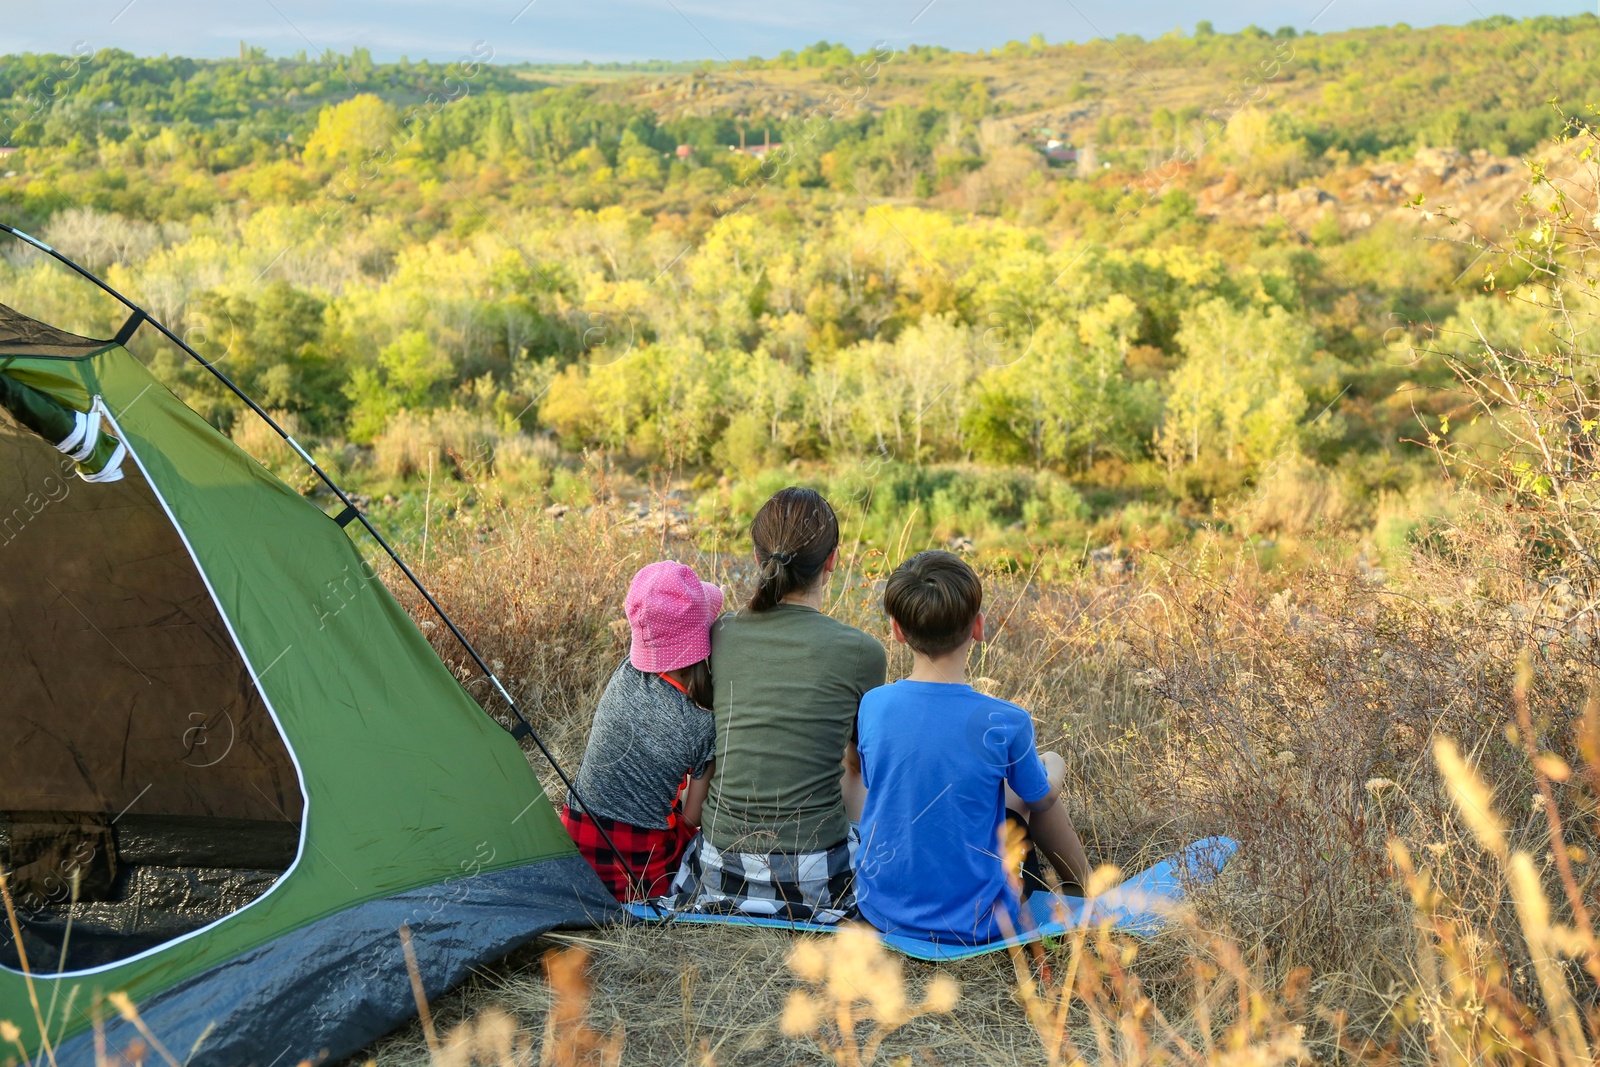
pixel 694 797
pixel 851 784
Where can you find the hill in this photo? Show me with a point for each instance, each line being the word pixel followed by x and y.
pixel 994 282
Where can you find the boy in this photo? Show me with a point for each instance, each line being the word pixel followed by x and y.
pixel 938 757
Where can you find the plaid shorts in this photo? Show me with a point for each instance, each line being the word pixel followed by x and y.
pixel 817 887
pixel 653 854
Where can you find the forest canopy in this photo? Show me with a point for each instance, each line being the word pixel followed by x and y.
pixel 1085 294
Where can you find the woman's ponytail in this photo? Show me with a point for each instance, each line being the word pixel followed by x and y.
pixel 794 533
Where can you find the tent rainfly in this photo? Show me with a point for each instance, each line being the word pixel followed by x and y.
pixel 233 767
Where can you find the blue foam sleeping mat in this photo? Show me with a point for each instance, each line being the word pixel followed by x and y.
pixel 1137 906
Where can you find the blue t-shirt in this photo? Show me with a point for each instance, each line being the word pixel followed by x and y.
pixel 935 758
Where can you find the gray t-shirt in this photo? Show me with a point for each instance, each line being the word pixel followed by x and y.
pixel 646 736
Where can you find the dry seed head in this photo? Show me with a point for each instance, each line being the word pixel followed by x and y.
pixel 9 1031
pixel 123 1004
pixel 860 969
pixel 459 1046
pixel 1377 786
pixel 1568 940
pixel 801 1014
pixel 807 961
pixel 1533 910
pixel 1104 879
pixel 1472 798
pixel 852 967
pixel 942 995
pixel 1529 894
pixel 1014 847
pixel 1553 767
pixel 495 1037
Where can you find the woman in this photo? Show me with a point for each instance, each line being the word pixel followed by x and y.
pixel 786 682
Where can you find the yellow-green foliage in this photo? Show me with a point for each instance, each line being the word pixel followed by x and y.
pixel 908 284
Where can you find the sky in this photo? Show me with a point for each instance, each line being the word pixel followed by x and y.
pixel 607 30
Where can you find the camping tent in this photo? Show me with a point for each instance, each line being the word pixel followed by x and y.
pixel 229 744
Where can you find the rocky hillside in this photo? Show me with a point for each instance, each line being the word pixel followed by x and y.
pixel 1480 187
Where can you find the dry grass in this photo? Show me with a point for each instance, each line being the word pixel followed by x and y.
pixel 680 995
pixel 1376 911
pixel 1296 713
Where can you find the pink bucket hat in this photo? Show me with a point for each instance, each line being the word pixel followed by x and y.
pixel 670 612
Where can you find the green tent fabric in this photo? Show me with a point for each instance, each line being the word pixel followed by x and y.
pixel 79 434
pixel 208 680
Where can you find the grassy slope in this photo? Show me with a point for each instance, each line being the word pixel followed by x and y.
pixel 1189 696
pixel 1391 83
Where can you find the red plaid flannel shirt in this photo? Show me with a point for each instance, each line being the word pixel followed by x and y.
pixel 653 855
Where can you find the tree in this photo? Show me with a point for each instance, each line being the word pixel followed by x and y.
pixel 1237 396
pixel 351 132
pixel 408 371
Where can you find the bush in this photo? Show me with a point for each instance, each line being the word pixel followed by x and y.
pixel 450 443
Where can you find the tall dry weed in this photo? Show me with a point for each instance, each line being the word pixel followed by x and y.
pixel 853 995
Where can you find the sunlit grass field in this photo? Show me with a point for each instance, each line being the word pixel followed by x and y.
pixel 1364 733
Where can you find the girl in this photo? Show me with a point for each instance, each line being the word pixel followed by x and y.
pixel 776 839
pixel 652 729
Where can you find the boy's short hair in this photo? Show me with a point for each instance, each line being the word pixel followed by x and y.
pixel 934 596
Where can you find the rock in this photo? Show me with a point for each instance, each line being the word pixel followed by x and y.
pixel 556 511
pixel 1108 560
pixel 1440 161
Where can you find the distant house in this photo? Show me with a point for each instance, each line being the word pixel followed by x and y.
pixel 7 150
pixel 685 151
pixel 761 150
pixel 1058 151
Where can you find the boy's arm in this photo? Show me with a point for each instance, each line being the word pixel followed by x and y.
pixel 694 797
pixel 1050 825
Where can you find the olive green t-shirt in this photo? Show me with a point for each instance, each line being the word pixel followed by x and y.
pixel 787 682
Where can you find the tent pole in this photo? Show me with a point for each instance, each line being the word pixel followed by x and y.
pixel 524 728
